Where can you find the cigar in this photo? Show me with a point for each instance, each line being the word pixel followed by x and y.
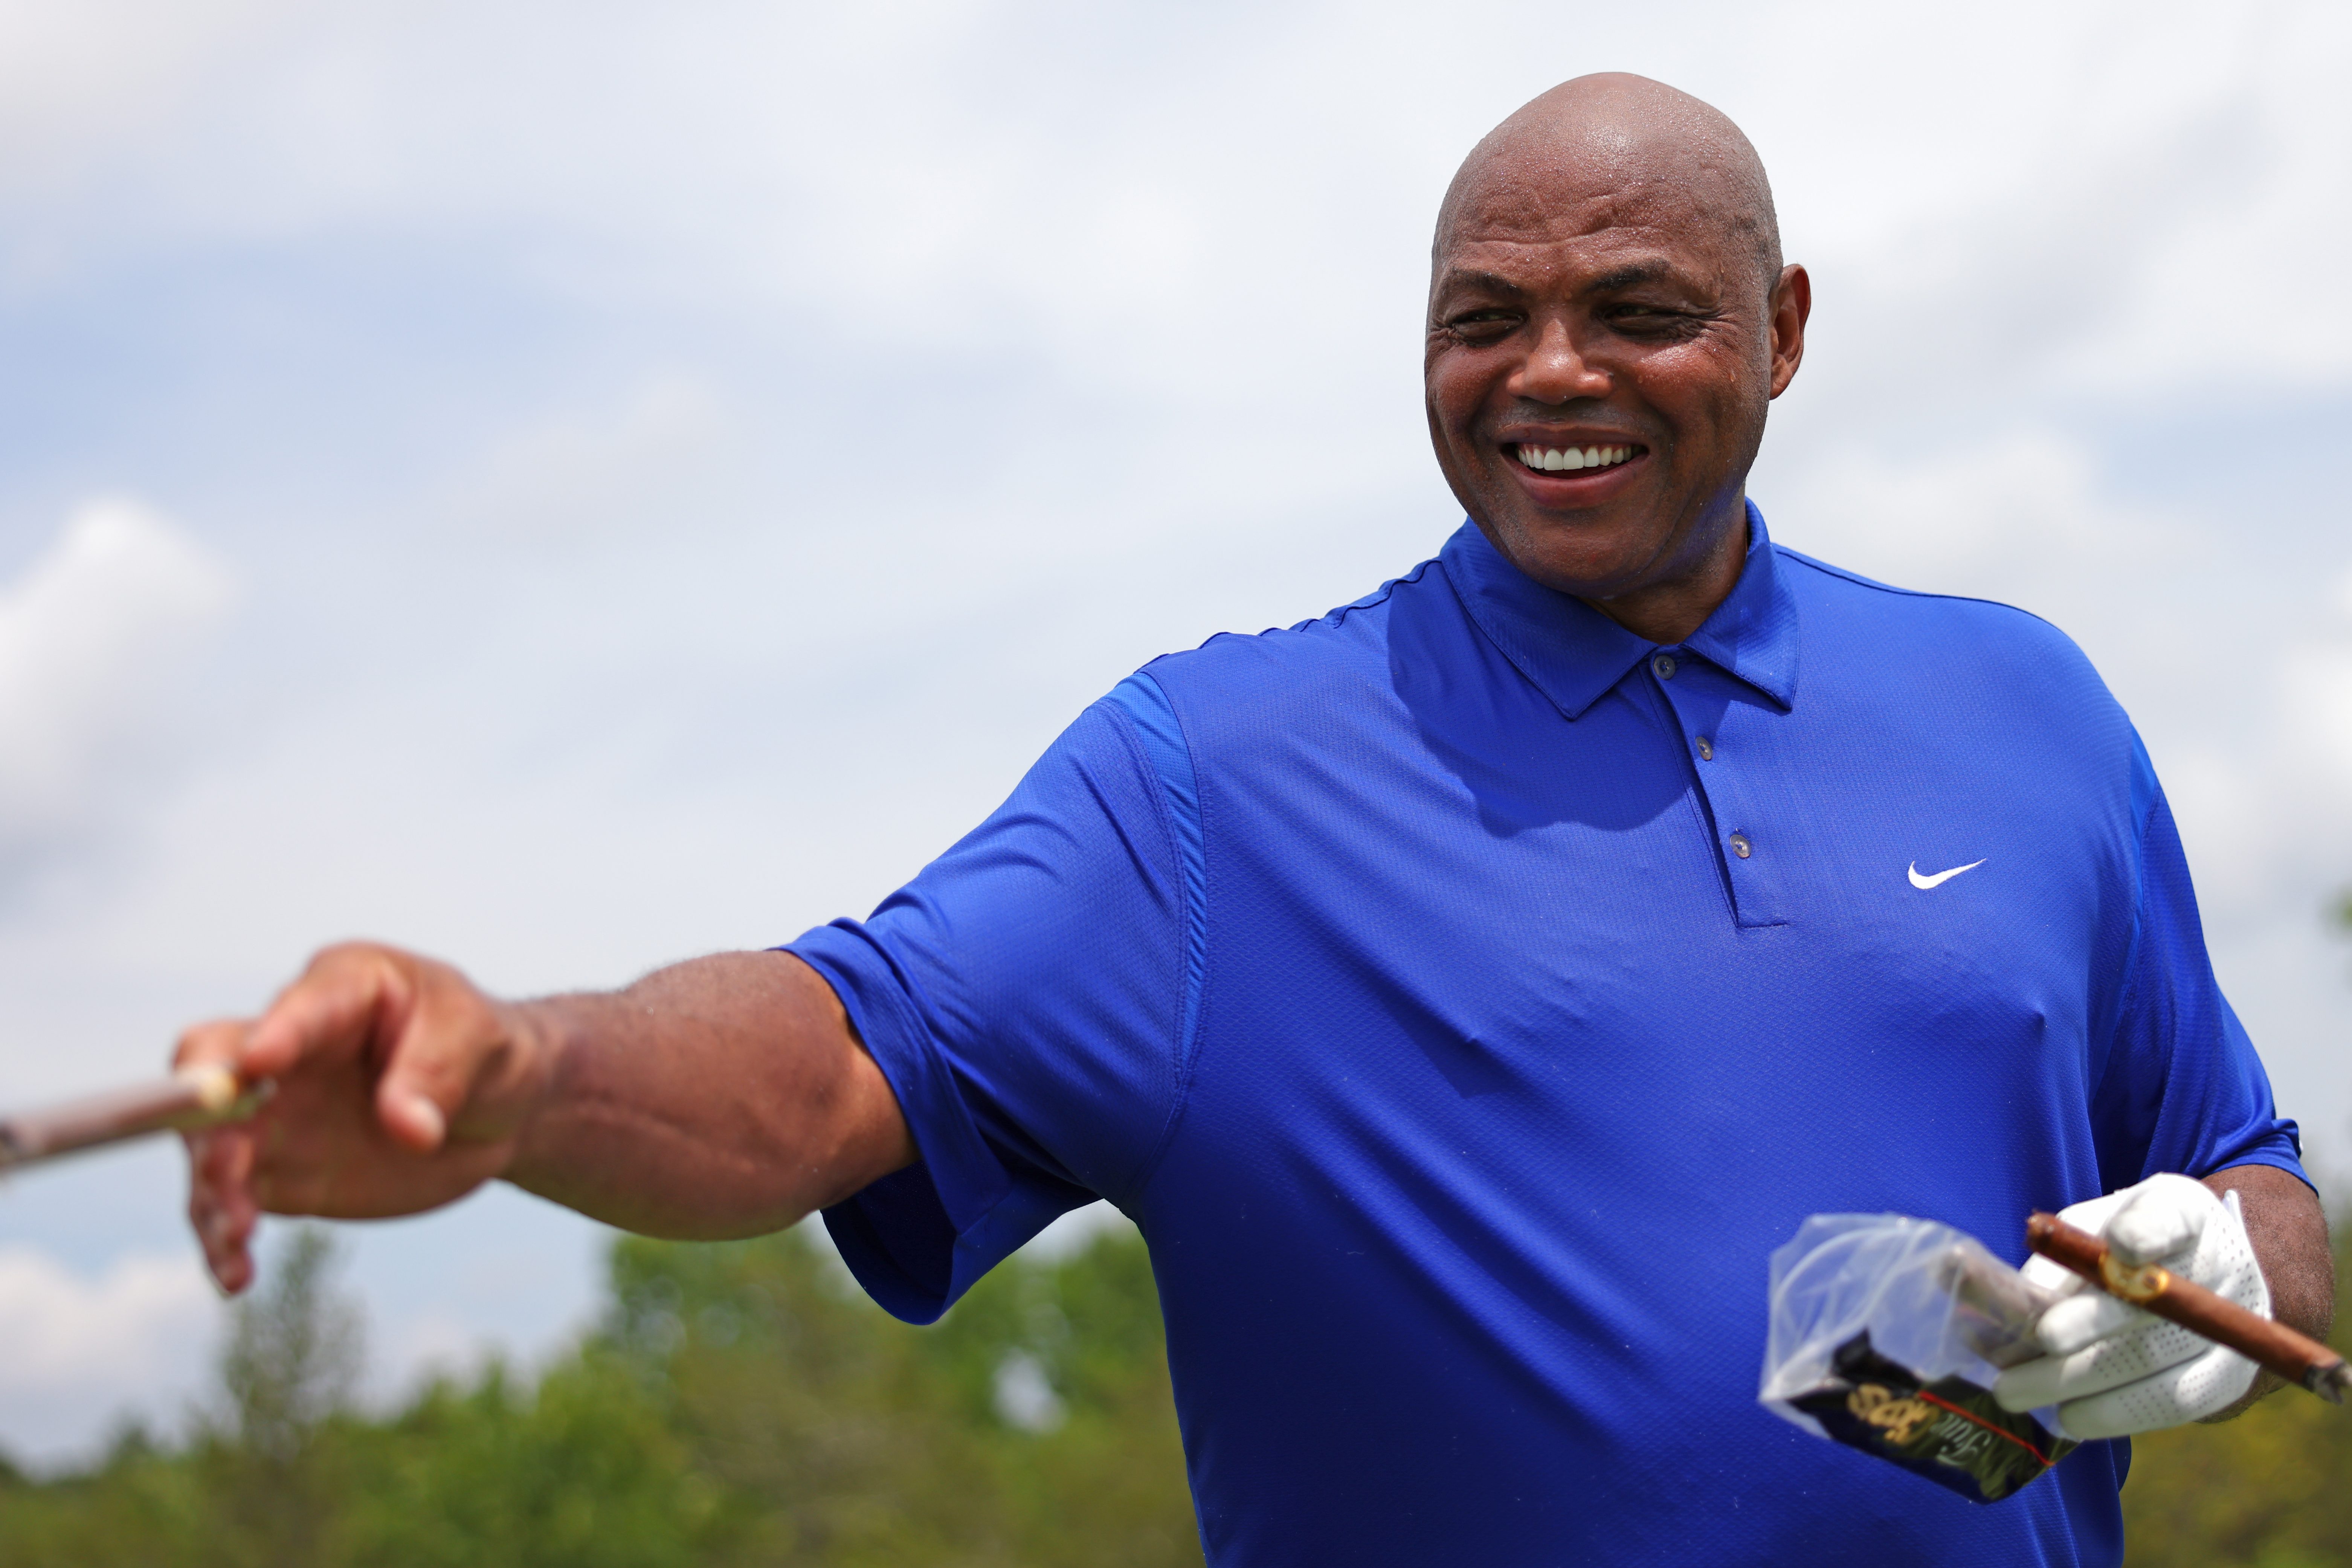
pixel 188 1099
pixel 2295 1357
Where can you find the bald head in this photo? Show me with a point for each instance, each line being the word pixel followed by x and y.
pixel 1624 134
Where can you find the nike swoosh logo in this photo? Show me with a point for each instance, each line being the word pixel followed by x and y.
pixel 1941 877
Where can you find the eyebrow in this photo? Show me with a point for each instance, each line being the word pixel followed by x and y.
pixel 1634 273
pixel 1494 282
pixel 1630 274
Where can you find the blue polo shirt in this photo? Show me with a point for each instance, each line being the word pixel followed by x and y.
pixel 1466 995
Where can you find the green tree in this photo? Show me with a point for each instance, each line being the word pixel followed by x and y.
pixel 2266 1490
pixel 848 1439
pixel 740 1404
pixel 294 1352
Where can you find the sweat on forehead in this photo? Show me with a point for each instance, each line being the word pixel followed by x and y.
pixel 1625 132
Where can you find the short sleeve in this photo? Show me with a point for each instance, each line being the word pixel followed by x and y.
pixel 2183 1089
pixel 1026 998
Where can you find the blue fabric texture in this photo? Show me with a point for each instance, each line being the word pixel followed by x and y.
pixel 1399 975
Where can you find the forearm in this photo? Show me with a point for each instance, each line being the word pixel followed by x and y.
pixel 2289 1231
pixel 723 1096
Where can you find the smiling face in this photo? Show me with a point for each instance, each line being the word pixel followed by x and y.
pixel 1607 327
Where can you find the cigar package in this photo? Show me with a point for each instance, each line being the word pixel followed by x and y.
pixel 1887 1333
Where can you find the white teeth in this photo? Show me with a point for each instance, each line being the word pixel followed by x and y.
pixel 1555 460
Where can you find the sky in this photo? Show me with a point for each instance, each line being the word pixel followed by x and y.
pixel 571 485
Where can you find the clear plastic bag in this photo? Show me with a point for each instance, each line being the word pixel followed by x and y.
pixel 1885 1335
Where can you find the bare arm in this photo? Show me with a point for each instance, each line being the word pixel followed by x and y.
pixel 727 1095
pixel 2289 1230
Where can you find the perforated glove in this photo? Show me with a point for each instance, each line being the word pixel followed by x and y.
pixel 2112 1369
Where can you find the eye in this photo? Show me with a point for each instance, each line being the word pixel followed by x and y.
pixel 1484 325
pixel 1648 320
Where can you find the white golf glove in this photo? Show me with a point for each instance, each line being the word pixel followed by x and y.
pixel 2112 1369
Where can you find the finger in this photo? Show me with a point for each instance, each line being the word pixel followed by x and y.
pixel 2157 1223
pixel 2093 1214
pixel 225 1232
pixel 410 1112
pixel 2083 1317
pixel 221 1159
pixel 2030 1385
pixel 431 1073
pixel 222 1209
pixel 342 997
pixel 2050 1275
pixel 216 1044
pixel 2104 1364
pixel 452 1032
pixel 2187 1391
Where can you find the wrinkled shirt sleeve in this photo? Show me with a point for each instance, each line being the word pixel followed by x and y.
pixel 1023 996
pixel 2183 1089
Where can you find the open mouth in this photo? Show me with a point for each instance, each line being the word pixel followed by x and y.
pixel 1570 460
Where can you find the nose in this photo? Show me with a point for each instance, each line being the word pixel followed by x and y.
pixel 1555 372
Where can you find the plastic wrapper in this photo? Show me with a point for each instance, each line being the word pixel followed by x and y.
pixel 1887 1334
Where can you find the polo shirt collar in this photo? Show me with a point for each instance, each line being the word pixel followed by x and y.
pixel 1573 653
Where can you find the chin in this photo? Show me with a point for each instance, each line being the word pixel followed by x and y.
pixel 1585 558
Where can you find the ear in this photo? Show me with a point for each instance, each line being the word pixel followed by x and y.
pixel 1791 302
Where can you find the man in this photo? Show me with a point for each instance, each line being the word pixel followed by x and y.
pixel 1464 991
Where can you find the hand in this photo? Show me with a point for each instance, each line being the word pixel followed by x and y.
pixel 2112 1369
pixel 400 1087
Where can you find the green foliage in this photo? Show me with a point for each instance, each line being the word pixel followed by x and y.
pixel 744 1407
pixel 739 1405
pixel 2266 1491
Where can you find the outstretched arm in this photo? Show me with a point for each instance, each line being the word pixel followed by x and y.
pixel 726 1096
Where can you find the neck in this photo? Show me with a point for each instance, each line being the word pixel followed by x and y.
pixel 1670 611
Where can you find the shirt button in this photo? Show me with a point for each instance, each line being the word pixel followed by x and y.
pixel 1664 665
pixel 1705 750
pixel 1740 847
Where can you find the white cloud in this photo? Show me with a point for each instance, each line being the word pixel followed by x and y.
pixel 93 635
pixel 2318 681
pixel 80 81
pixel 82 1349
pixel 135 1320
pixel 1994 518
pixel 572 474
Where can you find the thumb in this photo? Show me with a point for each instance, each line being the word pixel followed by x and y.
pixel 2165 1216
pixel 412 1116
pixel 450 1036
